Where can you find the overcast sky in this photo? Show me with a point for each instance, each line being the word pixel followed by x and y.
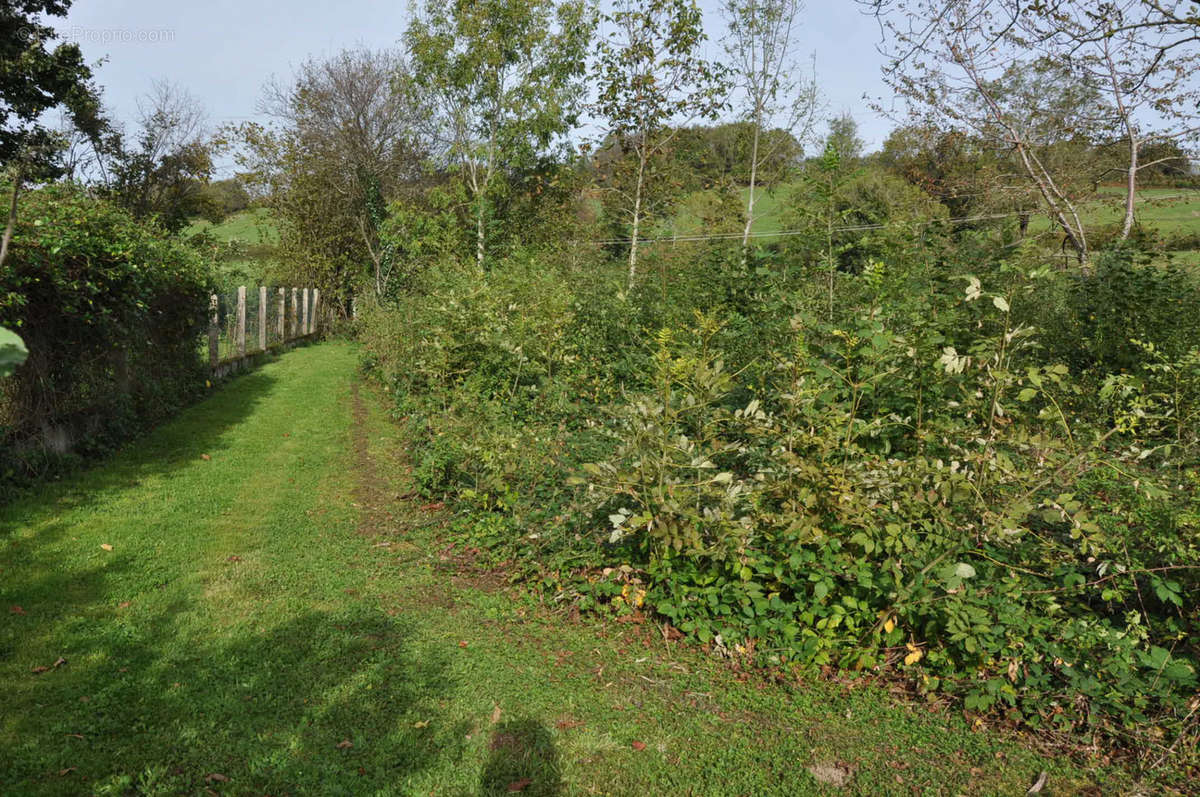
pixel 223 51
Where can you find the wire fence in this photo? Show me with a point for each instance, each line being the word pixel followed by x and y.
pixel 250 320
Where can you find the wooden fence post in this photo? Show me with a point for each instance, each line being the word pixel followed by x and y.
pixel 214 331
pixel 304 330
pixel 315 304
pixel 281 324
pixel 295 330
pixel 262 317
pixel 241 321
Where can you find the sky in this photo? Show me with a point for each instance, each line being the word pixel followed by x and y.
pixel 223 52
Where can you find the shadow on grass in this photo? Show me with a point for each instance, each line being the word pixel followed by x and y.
pixel 163 702
pixel 178 442
pixel 523 759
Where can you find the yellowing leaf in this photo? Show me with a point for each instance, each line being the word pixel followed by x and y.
pixel 913 658
pixel 421 724
pixel 106 546
pixel 888 625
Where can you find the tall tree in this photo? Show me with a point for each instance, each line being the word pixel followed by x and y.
pixel 345 121
pixel 775 92
pixel 843 137
pixel 162 172
pixel 501 82
pixel 652 82
pixel 33 80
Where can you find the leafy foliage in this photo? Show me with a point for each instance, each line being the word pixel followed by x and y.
pixel 112 314
pixel 12 352
pixel 918 484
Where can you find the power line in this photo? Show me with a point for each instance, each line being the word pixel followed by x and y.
pixel 786 233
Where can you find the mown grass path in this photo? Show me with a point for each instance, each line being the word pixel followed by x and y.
pixel 273 617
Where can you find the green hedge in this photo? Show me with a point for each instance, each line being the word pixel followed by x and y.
pixel 111 312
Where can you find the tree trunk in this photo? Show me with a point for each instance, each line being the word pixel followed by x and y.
pixel 1056 200
pixel 829 244
pixel 637 220
pixel 12 217
pixel 750 197
pixel 375 259
pixel 479 233
pixel 1130 187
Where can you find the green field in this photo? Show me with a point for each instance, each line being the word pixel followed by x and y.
pixel 255 236
pixel 253 227
pixel 1170 211
pixel 248 602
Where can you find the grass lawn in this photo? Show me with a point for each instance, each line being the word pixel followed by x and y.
pixel 245 602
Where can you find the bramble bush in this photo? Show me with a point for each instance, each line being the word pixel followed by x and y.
pixel 954 526
pixel 944 479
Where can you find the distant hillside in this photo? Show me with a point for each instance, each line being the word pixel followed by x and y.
pixel 253 227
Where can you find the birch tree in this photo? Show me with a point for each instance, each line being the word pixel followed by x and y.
pixel 652 82
pixel 775 92
pixel 954 62
pixel 501 81
pixel 1143 56
pixel 962 65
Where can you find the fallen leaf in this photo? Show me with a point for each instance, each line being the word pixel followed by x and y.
pixel 234 559
pixel 421 724
pixel 66 771
pixel 75 735
pixel 1038 784
pixel 566 725
pixel 39 670
pixel 216 777
pixel 205 457
pixel 462 644
pixel 60 662
pixel 123 605
pixel 495 715
pixel 639 746
pixel 106 546
pixel 17 610
pixel 519 785
pixel 345 744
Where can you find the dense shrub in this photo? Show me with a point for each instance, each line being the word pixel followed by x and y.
pixel 936 474
pixel 878 506
pixel 112 314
